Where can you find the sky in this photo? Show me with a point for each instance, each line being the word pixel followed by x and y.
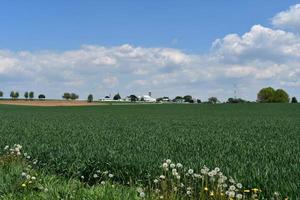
pixel 170 47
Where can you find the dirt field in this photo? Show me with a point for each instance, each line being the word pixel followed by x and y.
pixel 47 103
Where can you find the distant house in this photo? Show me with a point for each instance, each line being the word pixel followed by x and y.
pixel 147 98
pixel 106 98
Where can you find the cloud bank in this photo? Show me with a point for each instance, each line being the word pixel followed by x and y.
pixel 264 56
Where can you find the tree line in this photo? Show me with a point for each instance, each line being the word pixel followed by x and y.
pixel 27 95
pixel 265 95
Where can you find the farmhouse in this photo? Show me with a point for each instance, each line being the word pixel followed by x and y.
pixel 147 98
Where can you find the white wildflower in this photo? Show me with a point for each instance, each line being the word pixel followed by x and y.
pixel 179 165
pixel 110 175
pixel 168 161
pixel 232 188
pixel 190 171
pixel 165 165
pixel 162 177
pixel 239 185
pixel 231 194
pixel 95 176
pixel 139 189
pixel 142 195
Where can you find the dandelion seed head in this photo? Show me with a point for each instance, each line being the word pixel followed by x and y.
pixel 179 165
pixel 168 161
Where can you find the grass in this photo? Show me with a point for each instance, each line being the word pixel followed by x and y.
pixel 52 186
pixel 258 144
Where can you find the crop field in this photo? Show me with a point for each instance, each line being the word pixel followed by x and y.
pixel 257 144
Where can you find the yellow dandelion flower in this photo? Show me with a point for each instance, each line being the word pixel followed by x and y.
pixel 255 190
pixel 222 194
pixel 246 191
pixel 211 194
pixel 205 189
pixel 23 185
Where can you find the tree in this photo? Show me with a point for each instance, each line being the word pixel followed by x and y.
pixel 74 96
pixel 117 97
pixel 213 100
pixel 281 96
pixel 198 101
pixel 41 96
pixel 14 95
pixel 90 98
pixel 294 100
pixel 178 99
pixel 266 95
pixel 31 95
pixel 269 95
pixel 26 95
pixel 133 98
pixel 1 94
pixel 234 100
pixel 188 98
pixel 66 96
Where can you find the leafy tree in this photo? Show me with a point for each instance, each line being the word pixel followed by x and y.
pixel 26 95
pixel 266 95
pixel 198 101
pixel 159 99
pixel 269 95
pixel 117 97
pixel 188 98
pixel 178 99
pixel 66 96
pixel 281 96
pixel 133 98
pixel 234 100
pixel 294 100
pixel 1 94
pixel 41 96
pixel 31 95
pixel 14 95
pixel 213 100
pixel 90 98
pixel 74 96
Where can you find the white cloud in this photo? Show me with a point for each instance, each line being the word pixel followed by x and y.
pixel 110 81
pixel 289 19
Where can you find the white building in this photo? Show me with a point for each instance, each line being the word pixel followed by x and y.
pixel 147 98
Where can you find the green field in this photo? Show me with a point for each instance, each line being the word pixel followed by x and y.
pixel 258 144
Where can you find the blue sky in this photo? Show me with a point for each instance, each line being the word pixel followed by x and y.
pixel 165 43
pixel 188 25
